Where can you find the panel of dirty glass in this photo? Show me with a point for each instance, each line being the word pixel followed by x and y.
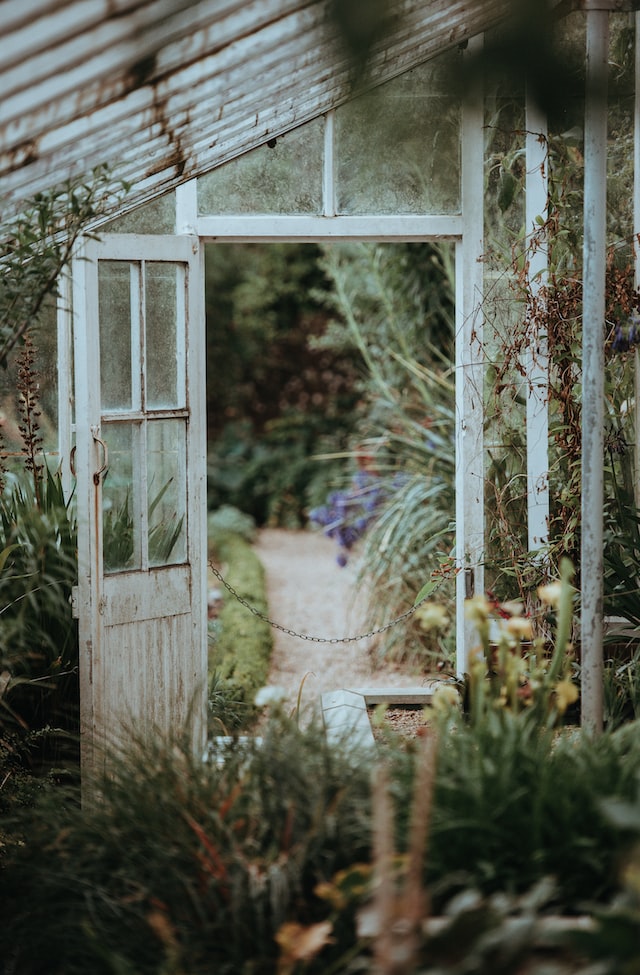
pixel 167 491
pixel 161 325
pixel 397 149
pixel 121 542
pixel 114 316
pixel 156 217
pixel 282 176
pixel 620 153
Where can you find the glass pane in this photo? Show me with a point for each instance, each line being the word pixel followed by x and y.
pixel 156 217
pixel 120 520
pixel 398 148
pixel 167 491
pixel 161 294
pixel 282 176
pixel 114 315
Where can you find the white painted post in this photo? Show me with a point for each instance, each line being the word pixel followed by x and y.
pixel 636 230
pixel 65 380
pixel 536 361
pixel 187 207
pixel 470 372
pixel 593 310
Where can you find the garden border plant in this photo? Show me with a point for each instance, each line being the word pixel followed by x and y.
pixel 262 859
pixel 240 643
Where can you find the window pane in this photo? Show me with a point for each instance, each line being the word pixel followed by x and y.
pixel 167 491
pixel 161 294
pixel 120 515
pixel 398 148
pixel 285 177
pixel 156 217
pixel 114 311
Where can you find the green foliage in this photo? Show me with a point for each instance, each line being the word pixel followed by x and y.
pixel 514 804
pixel 240 654
pixel 273 401
pixel 395 309
pixel 172 864
pixel 38 245
pixel 274 476
pixel 118 537
pixel 228 519
pixel 521 311
pixel 38 637
pixel 179 865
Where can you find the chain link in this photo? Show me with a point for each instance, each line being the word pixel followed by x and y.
pixel 306 636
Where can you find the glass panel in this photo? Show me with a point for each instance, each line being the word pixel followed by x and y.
pixel 161 293
pixel 157 217
pixel 114 315
pixel 120 525
pixel 398 148
pixel 167 491
pixel 282 176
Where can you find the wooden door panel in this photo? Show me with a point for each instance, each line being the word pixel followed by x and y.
pixel 141 467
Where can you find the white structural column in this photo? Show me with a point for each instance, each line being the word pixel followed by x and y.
pixel 536 364
pixel 65 382
pixel 187 207
pixel 470 373
pixel 593 310
pixel 636 230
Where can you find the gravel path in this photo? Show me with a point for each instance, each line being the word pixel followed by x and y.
pixel 309 593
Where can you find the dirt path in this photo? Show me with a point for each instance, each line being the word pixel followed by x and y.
pixel 309 593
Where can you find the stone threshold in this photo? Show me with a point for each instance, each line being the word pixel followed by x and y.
pixel 345 712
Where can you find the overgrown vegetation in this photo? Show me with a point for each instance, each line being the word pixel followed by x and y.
pixel 39 696
pixel 240 642
pixel 280 856
pixel 274 401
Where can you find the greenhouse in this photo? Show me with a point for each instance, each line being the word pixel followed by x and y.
pixel 225 122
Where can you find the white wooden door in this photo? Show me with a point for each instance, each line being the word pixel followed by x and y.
pixel 140 463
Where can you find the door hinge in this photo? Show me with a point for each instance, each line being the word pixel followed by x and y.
pixel 73 599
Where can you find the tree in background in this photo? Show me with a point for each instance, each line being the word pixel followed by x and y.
pixel 274 401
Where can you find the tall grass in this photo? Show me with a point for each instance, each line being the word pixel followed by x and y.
pixel 180 866
pixel 38 636
pixel 394 307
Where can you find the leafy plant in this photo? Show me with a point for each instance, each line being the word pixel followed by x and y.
pixel 38 636
pixel 179 865
pixel 38 245
pixel 240 653
pixel 394 307
pixel 118 537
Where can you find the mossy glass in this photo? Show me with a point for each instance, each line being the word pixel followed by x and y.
pixel 282 176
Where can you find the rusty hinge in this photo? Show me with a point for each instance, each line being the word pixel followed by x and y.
pixel 75 609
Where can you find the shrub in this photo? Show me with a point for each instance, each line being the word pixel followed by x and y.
pixel 38 636
pixel 175 865
pixel 240 649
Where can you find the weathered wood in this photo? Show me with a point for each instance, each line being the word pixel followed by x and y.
pixel 162 90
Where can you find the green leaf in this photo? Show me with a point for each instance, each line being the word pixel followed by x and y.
pixel 427 590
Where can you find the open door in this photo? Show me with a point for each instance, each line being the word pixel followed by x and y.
pixel 140 462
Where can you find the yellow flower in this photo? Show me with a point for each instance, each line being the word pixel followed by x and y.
pixel 445 698
pixel 550 594
pixel 519 627
pixel 566 694
pixel 477 609
pixel 432 616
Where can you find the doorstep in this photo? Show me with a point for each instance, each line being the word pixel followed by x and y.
pixel 346 711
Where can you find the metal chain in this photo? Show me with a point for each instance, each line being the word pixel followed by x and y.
pixel 306 636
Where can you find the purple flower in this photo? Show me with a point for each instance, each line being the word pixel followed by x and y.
pixel 620 342
pixel 349 513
